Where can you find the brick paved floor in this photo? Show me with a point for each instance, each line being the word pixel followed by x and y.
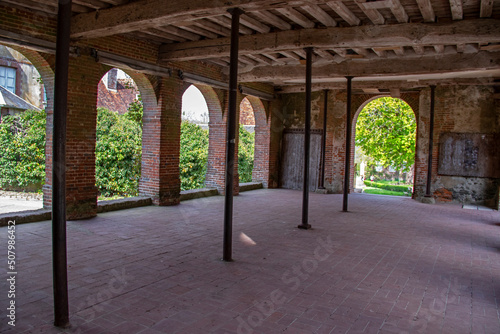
pixel 390 265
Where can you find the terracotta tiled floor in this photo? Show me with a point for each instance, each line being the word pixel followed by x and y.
pixel 390 265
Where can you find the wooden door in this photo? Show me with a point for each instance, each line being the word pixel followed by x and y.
pixel 292 167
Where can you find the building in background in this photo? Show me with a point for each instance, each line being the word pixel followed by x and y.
pixel 21 85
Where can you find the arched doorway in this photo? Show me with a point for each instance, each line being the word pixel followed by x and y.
pixel 118 146
pixel 384 129
pixel 26 123
pixel 194 139
pixel 246 141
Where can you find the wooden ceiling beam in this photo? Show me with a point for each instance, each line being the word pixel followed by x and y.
pixel 426 10
pixel 296 16
pixel 254 24
pixel 200 31
pixel 398 35
pixel 320 15
pixel 213 27
pixel 226 22
pixel 273 20
pixel 438 64
pixel 344 12
pixel 457 12
pixel 180 32
pixel 486 8
pixel 147 14
pixel 373 14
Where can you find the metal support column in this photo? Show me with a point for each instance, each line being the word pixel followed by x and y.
pixel 431 139
pixel 59 255
pixel 323 141
pixel 347 168
pixel 231 134
pixel 307 141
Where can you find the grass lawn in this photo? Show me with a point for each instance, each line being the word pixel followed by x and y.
pixel 378 191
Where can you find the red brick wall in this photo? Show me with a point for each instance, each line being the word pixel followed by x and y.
pixel 246 113
pixel 118 100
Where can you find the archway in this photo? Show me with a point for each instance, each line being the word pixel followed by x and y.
pixel 194 139
pixel 384 131
pixel 27 79
pixel 118 149
pixel 246 141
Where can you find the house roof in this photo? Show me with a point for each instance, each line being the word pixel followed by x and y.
pixel 11 100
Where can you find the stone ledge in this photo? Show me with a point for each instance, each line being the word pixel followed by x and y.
pixel 123 203
pixel 31 216
pixel 250 186
pixel 28 216
pixel 198 193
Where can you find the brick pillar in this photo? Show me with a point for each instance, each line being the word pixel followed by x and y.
pixel 161 144
pixel 261 163
pixel 81 192
pixel 276 120
pixel 216 169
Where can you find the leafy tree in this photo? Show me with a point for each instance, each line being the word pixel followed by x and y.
pixel 193 156
pixel 385 131
pixel 245 154
pixel 22 154
pixel 118 154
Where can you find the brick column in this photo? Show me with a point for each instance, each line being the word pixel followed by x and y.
pixel 261 163
pixel 161 144
pixel 276 121
pixel 81 192
pixel 216 169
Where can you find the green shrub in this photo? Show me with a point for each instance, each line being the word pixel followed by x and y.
pixel 391 187
pixel 193 156
pixel 22 153
pixel 245 154
pixel 118 154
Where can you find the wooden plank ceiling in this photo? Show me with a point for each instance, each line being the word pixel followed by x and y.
pixel 354 37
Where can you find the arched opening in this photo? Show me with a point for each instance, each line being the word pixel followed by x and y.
pixel 118 136
pixel 194 139
pixel 246 143
pixel 384 155
pixel 25 128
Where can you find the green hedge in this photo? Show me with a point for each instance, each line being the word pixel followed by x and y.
pixel 391 187
pixel 22 151
pixel 193 157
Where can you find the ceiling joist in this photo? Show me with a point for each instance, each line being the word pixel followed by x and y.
pixel 481 31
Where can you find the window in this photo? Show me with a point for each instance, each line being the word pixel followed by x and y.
pixel 8 78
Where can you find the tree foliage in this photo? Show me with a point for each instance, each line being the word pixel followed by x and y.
pixel 386 130
pixel 22 153
pixel 245 154
pixel 118 154
pixel 193 156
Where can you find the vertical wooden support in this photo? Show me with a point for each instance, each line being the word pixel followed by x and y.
pixel 347 168
pixel 307 142
pixel 431 139
pixel 59 255
pixel 231 134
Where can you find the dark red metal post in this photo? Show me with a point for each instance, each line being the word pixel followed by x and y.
pixel 231 134
pixel 59 253
pixel 307 142
pixel 347 169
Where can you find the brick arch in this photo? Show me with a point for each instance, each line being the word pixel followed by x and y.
pixel 360 102
pixel 147 87
pixel 215 177
pixel 260 171
pixel 45 69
